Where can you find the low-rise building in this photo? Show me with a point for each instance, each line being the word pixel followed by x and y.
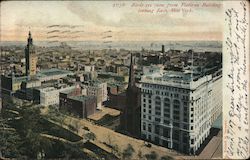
pixel 50 95
pixel 97 89
pixel 73 102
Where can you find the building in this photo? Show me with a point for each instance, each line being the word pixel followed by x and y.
pixel 81 106
pixel 30 58
pixel 130 118
pixel 10 83
pixel 178 110
pixel 97 89
pixel 52 74
pixel 50 95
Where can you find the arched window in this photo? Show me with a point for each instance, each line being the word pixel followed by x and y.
pixel 167 107
pixel 158 105
pixel 176 110
pixel 176 104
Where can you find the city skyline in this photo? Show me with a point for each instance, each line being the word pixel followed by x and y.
pixel 95 18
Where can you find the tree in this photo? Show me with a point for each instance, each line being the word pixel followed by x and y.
pixel 90 136
pixel 9 140
pixel 128 152
pixel 166 158
pixel 152 156
pixel 140 156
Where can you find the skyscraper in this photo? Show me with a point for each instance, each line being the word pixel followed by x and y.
pixel 130 119
pixel 30 57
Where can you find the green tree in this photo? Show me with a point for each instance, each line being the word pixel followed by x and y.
pixel 152 156
pixel 128 152
pixel 167 158
pixel 9 140
pixel 90 136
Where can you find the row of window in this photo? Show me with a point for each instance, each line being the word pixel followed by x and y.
pixel 166 88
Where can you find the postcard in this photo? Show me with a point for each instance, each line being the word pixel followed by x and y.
pixel 130 80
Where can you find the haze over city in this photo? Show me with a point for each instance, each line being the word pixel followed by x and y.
pixel 126 23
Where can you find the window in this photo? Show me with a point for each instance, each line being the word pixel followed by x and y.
pixel 176 112
pixel 192 127
pixel 149 117
pixel 157 102
pixel 157 140
pixel 166 132
pixel 176 124
pixel 176 118
pixel 167 110
pixel 158 113
pixel 192 141
pixel 157 119
pixel 149 128
pixel 176 135
pixel 166 121
pixel 185 120
pixel 157 129
pixel 166 115
pixel 144 126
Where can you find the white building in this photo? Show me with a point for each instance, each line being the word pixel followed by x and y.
pixel 98 89
pixel 50 95
pixel 178 112
pixel 90 68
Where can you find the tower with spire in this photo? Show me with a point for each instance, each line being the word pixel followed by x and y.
pixel 30 57
pixel 130 118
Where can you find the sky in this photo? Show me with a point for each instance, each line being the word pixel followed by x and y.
pixel 101 21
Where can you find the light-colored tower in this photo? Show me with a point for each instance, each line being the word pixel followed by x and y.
pixel 31 58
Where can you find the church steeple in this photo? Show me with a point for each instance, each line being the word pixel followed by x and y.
pixel 131 73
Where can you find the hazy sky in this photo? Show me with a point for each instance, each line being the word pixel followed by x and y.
pixel 94 18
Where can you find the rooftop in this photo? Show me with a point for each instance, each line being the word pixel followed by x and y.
pixel 53 72
pixel 82 98
pixel 176 79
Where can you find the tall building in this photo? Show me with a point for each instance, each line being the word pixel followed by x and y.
pixel 178 111
pixel 130 118
pixel 30 57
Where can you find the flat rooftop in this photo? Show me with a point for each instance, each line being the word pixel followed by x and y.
pixel 53 72
pixel 81 98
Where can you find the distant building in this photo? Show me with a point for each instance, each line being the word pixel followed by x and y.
pixel 30 57
pixel 130 118
pixel 90 68
pixel 114 76
pixel 177 110
pixel 81 106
